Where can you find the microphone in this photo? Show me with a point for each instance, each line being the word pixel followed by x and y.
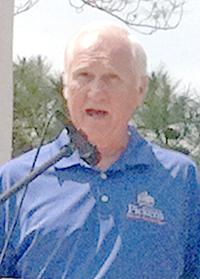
pixel 87 151
pixel 78 140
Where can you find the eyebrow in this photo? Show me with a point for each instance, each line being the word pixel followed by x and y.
pixel 81 69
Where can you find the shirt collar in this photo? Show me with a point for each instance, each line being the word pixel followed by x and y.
pixel 138 152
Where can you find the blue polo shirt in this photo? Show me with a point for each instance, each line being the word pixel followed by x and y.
pixel 138 219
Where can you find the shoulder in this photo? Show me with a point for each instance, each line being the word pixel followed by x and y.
pixel 170 158
pixel 17 168
pixel 150 153
pixel 177 164
pixel 163 155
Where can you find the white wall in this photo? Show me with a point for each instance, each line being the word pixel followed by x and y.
pixel 6 83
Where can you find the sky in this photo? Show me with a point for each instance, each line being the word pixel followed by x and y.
pixel 45 29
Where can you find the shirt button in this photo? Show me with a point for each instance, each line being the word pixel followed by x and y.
pixel 104 198
pixel 103 175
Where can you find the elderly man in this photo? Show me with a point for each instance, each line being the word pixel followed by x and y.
pixel 133 215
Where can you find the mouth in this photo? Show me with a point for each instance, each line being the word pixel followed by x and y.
pixel 96 113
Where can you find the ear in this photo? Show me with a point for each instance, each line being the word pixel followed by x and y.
pixel 141 91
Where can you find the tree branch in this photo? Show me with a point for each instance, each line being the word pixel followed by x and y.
pixel 145 16
pixel 20 8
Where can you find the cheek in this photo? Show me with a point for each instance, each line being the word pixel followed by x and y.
pixel 125 101
pixel 76 103
pixel 123 111
pixel 74 96
pixel 73 103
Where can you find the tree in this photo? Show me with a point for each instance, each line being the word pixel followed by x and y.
pixel 37 96
pixel 145 16
pixel 168 117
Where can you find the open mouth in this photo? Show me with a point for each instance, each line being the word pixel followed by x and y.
pixel 96 113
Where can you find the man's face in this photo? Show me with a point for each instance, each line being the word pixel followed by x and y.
pixel 102 88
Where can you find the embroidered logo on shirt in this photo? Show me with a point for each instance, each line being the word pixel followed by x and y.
pixel 144 210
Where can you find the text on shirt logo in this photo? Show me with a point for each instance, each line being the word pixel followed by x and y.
pixel 144 210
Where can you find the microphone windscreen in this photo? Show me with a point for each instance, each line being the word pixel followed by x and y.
pixel 88 152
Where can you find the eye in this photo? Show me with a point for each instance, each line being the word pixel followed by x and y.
pixel 110 77
pixel 83 76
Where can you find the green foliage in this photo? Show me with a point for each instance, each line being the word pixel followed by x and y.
pixel 36 97
pixel 169 117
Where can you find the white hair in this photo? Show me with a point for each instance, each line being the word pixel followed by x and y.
pixel 138 52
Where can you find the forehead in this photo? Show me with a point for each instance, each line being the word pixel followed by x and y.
pixel 96 45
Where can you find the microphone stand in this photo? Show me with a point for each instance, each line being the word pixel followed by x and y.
pixel 78 140
pixel 66 151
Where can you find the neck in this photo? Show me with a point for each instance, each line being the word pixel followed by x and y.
pixel 112 154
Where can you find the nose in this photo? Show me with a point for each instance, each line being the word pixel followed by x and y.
pixel 97 89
